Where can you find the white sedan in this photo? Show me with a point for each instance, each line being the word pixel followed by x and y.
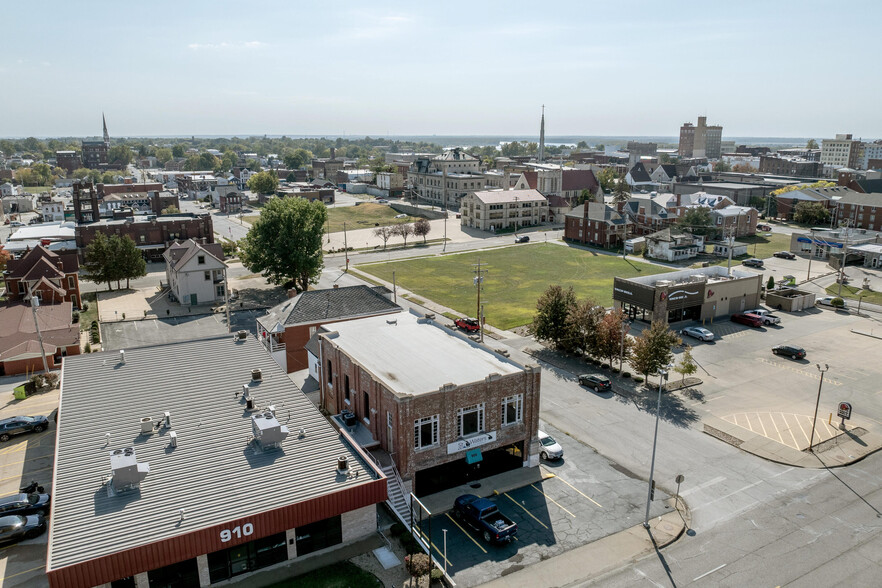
pixel 699 333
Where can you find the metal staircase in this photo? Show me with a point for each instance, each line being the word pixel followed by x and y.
pixel 396 499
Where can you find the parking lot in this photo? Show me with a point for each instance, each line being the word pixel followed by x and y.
pixel 121 335
pixel 22 459
pixel 745 384
pixel 582 498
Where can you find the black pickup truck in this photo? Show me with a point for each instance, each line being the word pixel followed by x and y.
pixel 482 515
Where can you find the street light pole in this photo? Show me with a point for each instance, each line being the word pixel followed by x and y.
pixel 811 254
pixel 817 402
pixel 663 374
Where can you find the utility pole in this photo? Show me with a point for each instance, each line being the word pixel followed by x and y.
pixel 394 289
pixel 479 284
pixel 731 245
pixel 227 301
pixel 35 302
pixel 817 402
pixel 345 246
pixel 845 252
pixel 811 254
pixel 444 194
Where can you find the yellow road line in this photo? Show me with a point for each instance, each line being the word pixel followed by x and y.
pixel 533 486
pixel 24 572
pixel 22 474
pixel 12 463
pixel 428 540
pixel 525 510
pixel 466 533
pixel 580 492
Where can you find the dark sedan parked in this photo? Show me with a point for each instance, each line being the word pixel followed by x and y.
pixel 14 528
pixel 784 255
pixel 25 504
pixel 789 350
pixel 22 424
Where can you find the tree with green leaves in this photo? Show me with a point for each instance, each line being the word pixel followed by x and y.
pixel 770 285
pixel 607 179
pixel 621 191
pixel 652 348
pixel 207 161
pixel 551 322
pixel 611 341
pixel 100 263
pixel 811 213
pixel 178 150
pixel 253 165
pixel 163 155
pixel 285 243
pixel 722 166
pixel 421 228
pixel 263 183
pixel 128 257
pixel 812 144
pixel 120 155
pixel 297 159
pixel 171 209
pixel 697 220
pixel 583 318
pixel 687 365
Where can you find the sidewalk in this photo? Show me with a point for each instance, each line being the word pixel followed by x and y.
pixel 841 450
pixel 599 557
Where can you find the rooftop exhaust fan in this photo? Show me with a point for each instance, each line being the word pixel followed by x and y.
pixel 127 472
pixel 267 431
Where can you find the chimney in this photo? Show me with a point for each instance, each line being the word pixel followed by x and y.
pixel 292 293
pixel 506 183
pixel 333 153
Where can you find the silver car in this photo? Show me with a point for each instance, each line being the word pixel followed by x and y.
pixel 699 333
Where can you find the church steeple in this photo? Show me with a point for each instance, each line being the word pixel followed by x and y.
pixel 542 137
pixel 106 136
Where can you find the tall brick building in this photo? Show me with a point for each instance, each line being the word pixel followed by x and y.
pixel 445 409
pixel 151 234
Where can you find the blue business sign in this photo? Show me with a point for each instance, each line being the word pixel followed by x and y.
pixel 474 455
pixel 820 242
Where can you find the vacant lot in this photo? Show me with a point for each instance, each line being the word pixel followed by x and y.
pixel 763 245
pixel 363 216
pixel 516 278
pixel 855 293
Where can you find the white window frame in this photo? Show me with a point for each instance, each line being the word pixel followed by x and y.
pixel 518 401
pixel 431 421
pixel 478 408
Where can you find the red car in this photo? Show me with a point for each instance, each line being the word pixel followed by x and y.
pixel 467 324
pixel 751 320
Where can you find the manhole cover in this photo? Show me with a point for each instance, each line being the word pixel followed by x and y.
pixel 475 485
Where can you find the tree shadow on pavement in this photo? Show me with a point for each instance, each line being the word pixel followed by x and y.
pixel 672 408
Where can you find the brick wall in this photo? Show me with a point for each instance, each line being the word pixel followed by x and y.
pixel 445 403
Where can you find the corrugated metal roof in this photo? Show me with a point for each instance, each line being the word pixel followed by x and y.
pixel 214 472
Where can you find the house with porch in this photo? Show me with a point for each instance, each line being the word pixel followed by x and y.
pixel 196 272
pixel 51 277
pixel 596 224
pixel 671 244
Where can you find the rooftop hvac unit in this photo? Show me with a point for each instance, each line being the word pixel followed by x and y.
pixel 256 375
pixel 242 335
pixel 267 430
pixel 127 472
pixel 146 426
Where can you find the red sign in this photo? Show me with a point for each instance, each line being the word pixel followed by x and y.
pixel 844 410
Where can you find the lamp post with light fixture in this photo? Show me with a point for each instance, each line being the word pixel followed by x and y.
pixel 663 375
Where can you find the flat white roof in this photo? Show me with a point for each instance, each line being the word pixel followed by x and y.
pixel 412 355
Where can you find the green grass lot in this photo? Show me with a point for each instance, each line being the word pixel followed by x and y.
pixel 38 189
pixel 341 575
pixel 853 293
pixel 516 278
pixel 761 246
pixel 86 317
pixel 364 216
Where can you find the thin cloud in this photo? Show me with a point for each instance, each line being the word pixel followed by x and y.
pixel 225 45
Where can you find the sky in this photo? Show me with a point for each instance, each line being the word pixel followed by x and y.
pixel 762 69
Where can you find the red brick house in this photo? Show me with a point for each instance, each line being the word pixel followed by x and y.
pixel 286 328
pixel 49 276
pixel 596 224
pixel 20 345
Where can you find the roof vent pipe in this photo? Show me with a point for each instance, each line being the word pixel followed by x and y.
pixel 122 355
